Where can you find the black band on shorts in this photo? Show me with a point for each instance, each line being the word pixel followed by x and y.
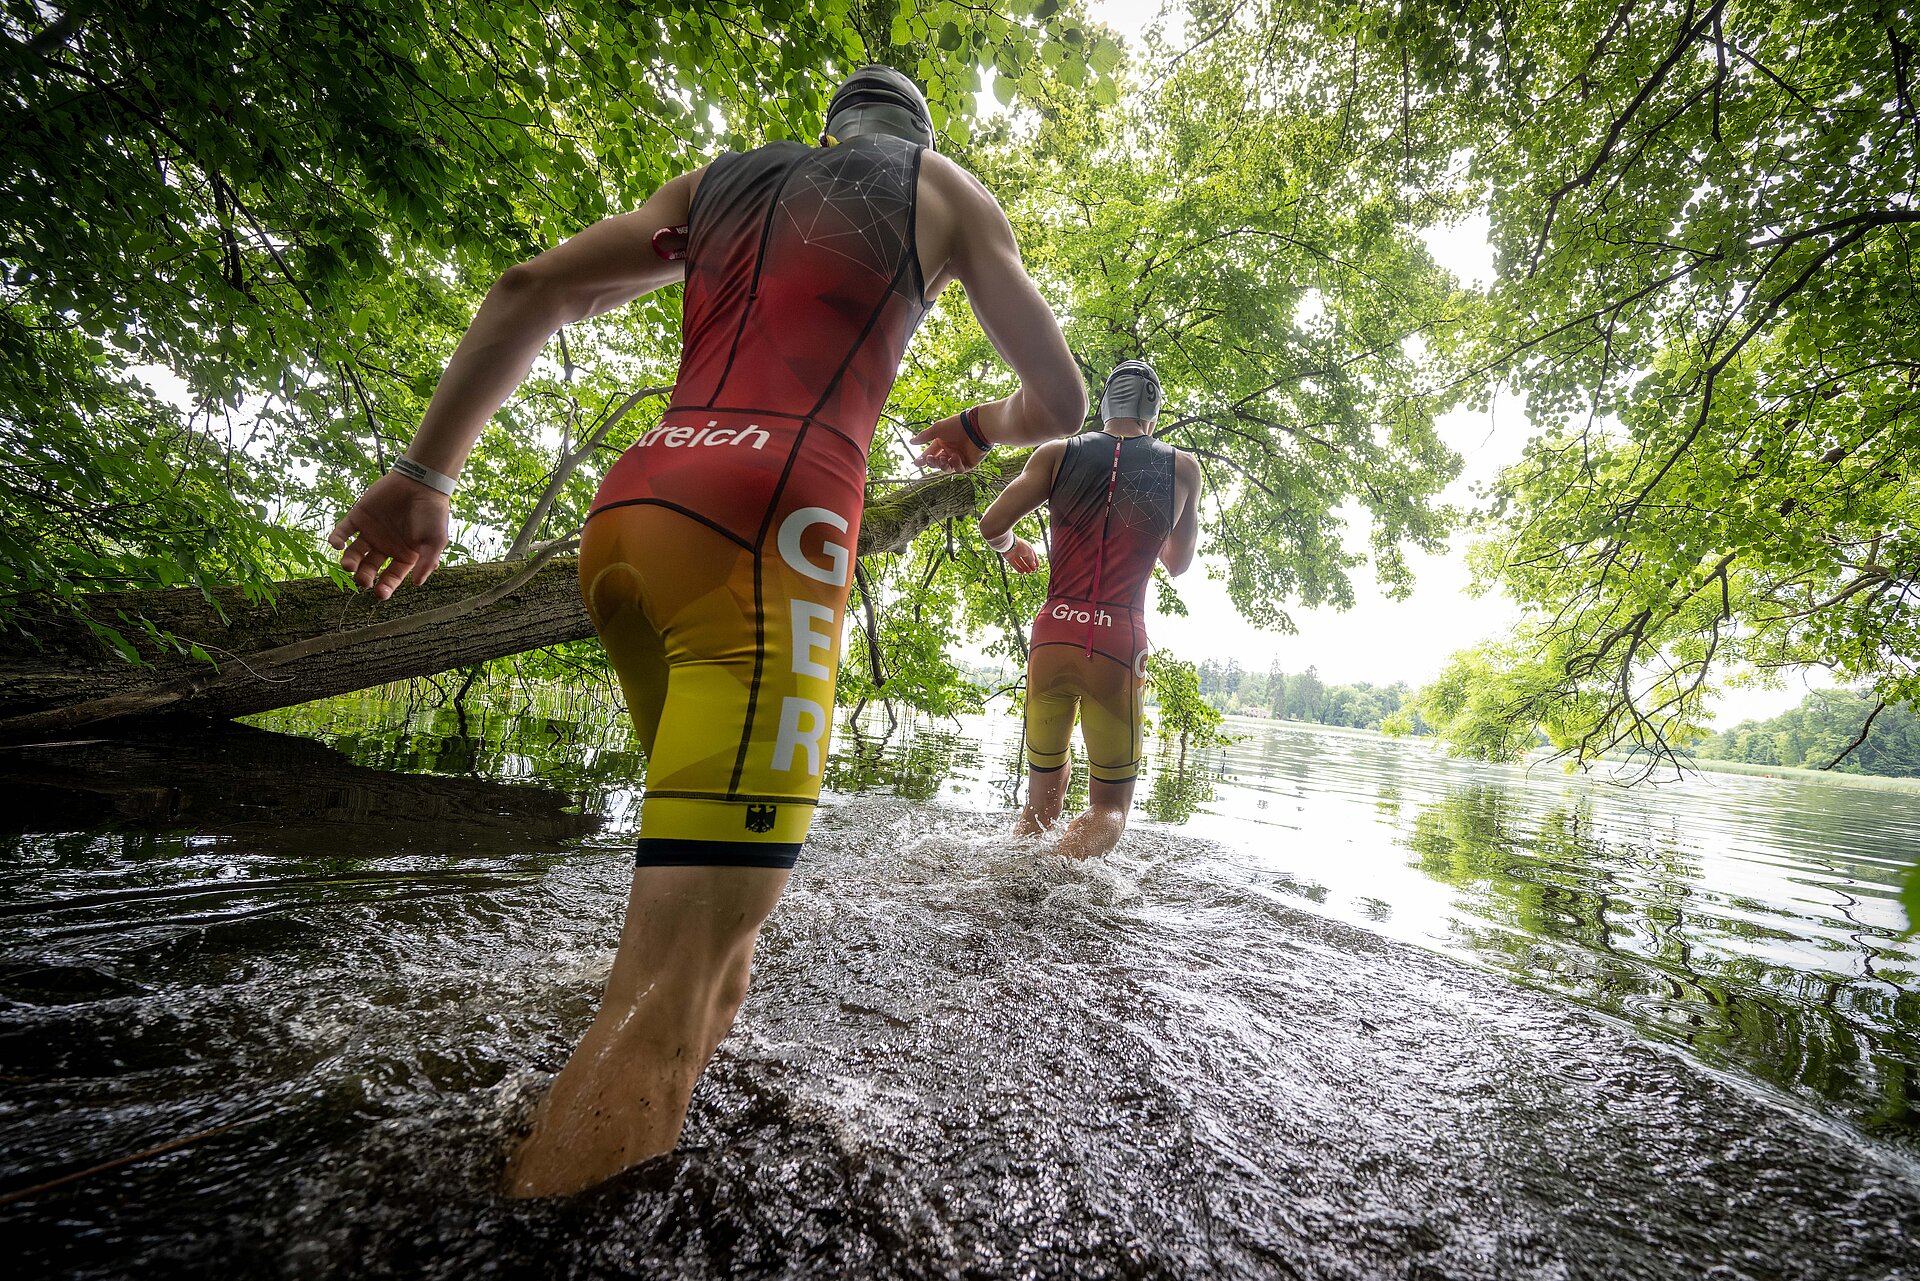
pixel 657 851
pixel 1047 769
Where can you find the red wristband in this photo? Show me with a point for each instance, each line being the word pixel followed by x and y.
pixel 670 243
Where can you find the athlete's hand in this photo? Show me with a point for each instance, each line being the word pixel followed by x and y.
pixel 947 447
pixel 398 528
pixel 1021 558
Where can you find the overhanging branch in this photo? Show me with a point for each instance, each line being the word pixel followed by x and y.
pixel 315 639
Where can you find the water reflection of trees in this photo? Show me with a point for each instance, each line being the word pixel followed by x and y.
pixel 1177 789
pixel 234 834
pixel 1629 929
pixel 587 747
pixel 907 758
pixel 268 793
pixel 584 747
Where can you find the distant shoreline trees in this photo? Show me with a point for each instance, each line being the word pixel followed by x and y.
pixel 1819 734
pixel 1823 728
pixel 1300 696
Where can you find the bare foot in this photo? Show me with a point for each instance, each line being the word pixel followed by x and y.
pixel 1093 833
pixel 614 1106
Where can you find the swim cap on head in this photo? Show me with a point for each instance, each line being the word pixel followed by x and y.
pixel 1132 391
pixel 877 99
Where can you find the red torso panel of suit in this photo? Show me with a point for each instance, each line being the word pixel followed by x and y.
pixel 1110 510
pixel 803 288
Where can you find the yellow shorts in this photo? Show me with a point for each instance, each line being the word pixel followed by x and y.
pixel 727 654
pixel 1063 679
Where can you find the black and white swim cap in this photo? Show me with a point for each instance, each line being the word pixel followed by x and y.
pixel 1132 391
pixel 877 99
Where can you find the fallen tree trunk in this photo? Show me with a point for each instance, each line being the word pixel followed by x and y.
pixel 314 639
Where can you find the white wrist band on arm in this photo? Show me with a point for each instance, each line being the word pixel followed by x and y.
pixel 425 475
pixel 1002 543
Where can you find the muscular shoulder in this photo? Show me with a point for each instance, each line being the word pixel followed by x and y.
pixel 958 203
pixel 1050 453
pixel 687 185
pixel 1185 465
pixel 1043 464
pixel 959 225
pixel 949 180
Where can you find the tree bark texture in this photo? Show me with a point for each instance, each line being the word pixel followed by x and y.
pixel 314 639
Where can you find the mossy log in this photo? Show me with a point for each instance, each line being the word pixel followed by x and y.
pixel 314 639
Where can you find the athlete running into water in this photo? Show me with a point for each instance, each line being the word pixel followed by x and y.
pixel 717 558
pixel 1117 500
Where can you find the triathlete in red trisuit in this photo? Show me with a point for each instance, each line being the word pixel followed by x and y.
pixel 717 559
pixel 1117 500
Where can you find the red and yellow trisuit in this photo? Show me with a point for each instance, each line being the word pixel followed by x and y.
pixel 1110 510
pixel 717 560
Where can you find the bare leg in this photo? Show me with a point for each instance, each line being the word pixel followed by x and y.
pixel 678 980
pixel 1046 789
pixel 1100 828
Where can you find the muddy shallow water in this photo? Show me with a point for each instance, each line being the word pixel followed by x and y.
pixel 1258 1041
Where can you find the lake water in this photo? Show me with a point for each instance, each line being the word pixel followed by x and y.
pixel 1337 1007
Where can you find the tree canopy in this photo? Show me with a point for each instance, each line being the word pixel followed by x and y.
pixel 1214 222
pixel 1702 212
pixel 1705 216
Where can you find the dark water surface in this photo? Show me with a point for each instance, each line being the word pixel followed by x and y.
pixel 1336 1008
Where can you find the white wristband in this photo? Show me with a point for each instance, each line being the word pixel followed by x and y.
pixel 425 475
pixel 1002 543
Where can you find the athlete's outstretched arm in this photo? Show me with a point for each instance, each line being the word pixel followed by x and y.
pixel 1051 400
pixel 1177 552
pixel 1028 490
pixel 400 524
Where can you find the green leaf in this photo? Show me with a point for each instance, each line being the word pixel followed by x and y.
pixel 114 640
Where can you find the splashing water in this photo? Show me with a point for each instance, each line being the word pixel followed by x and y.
pixel 962 1056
